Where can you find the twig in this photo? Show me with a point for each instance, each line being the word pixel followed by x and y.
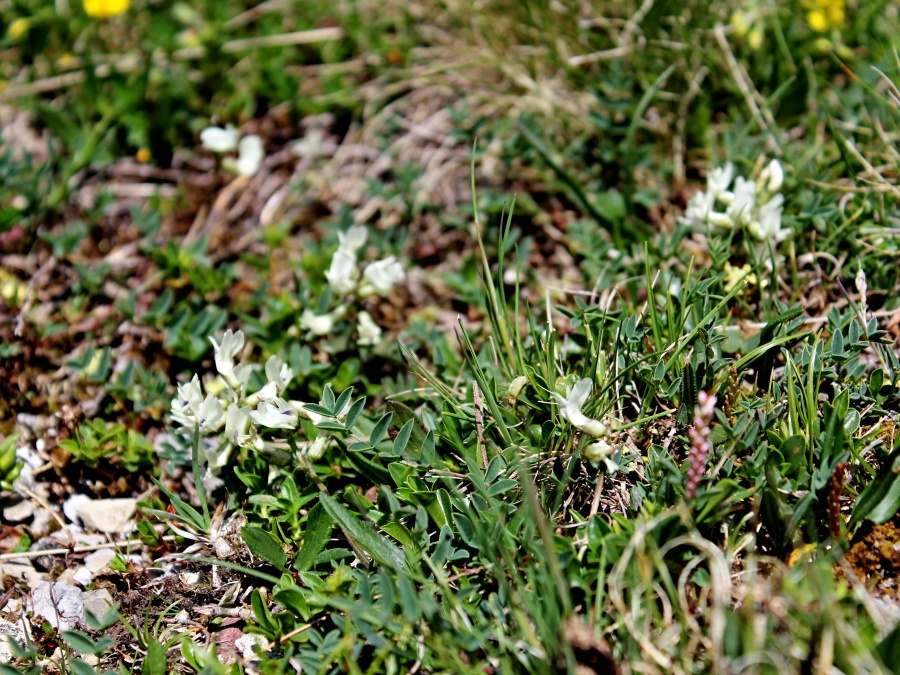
pixel 678 140
pixel 598 490
pixel 479 423
pixel 83 548
pixel 764 122
pixel 62 524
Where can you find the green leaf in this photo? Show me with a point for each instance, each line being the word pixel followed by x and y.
pixel 264 545
pixel 342 400
pixel 428 449
pixel 315 538
pixel 316 408
pixel 880 500
pixel 103 622
pixel 380 428
pixel 155 661
pixel 328 399
pixel 402 439
pixel 79 667
pixel 889 651
pixel 263 615
pixel 292 599
pixel 501 486
pixel 382 551
pixel 354 412
pixel 374 471
pixel 80 642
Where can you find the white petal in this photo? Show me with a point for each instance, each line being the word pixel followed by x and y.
pixel 353 239
pixel 719 179
pixel 210 415
pixel 772 177
pixel 277 414
pixel 369 332
pixel 597 451
pixel 343 273
pixel 316 324
pixel 744 202
pixel 217 139
pixel 318 447
pixel 383 275
pixel 250 155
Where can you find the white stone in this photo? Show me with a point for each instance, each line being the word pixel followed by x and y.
pixel 67 577
pixel 82 576
pixel 190 578
pixel 245 644
pixel 97 602
pixel 61 605
pixel 33 577
pixel 9 631
pixel 17 569
pixel 70 507
pixel 97 560
pixel 40 525
pixel 110 516
pixel 18 513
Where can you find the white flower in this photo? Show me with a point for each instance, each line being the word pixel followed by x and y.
pixel 767 225
pixel 772 177
pixel 382 275
pixel 250 156
pixel 571 404
pixel 343 273
pixel 237 419
pixel 316 324
pixel 217 139
pixel 718 180
pixel 353 240
pixel 278 372
pixel 318 447
pixel 279 375
pixel 275 414
pixel 701 209
pixel 187 401
pixel 862 286
pixel 232 343
pixel 300 408
pixel 242 375
pixel 369 331
pixel 214 457
pixel 743 201
pixel 210 416
pixel 597 451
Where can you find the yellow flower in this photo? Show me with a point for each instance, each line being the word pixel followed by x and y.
pixel 103 9
pixel 18 28
pixel 740 23
pixel 733 276
pixel 67 61
pixel 817 21
pixel 755 39
pixel 143 156
pixel 825 15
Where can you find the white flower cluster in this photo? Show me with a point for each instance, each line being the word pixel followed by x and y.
pixel 244 416
pixel 249 148
pixel 755 204
pixel 570 407
pixel 378 278
pixel 344 277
